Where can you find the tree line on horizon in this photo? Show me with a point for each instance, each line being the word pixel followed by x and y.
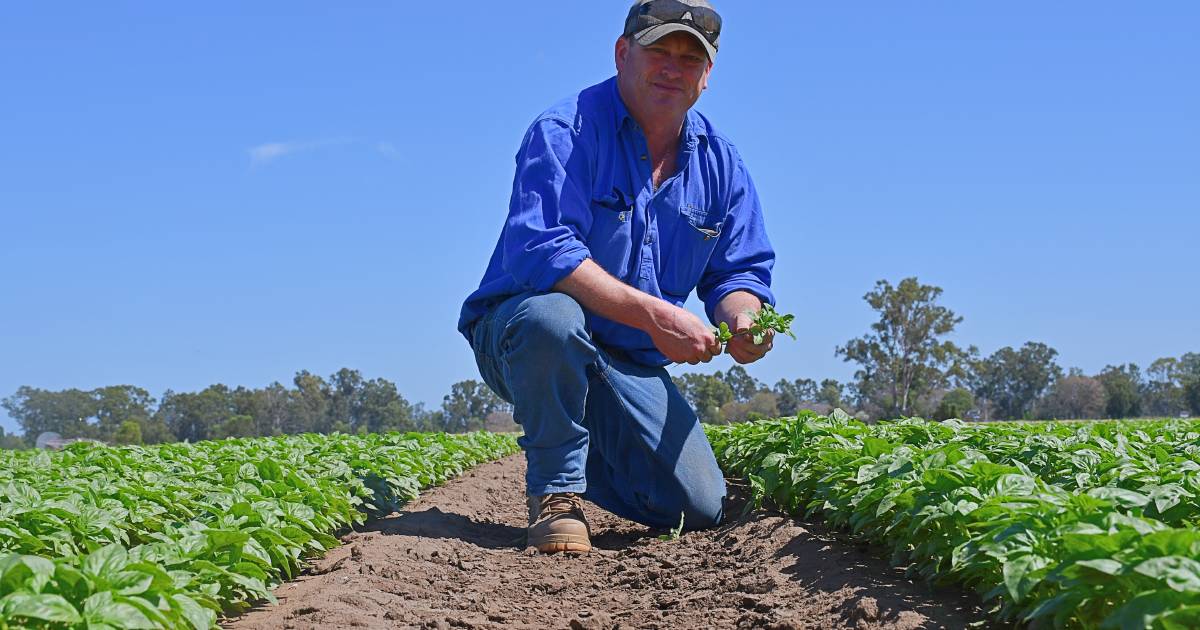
pixel 346 402
pixel 906 367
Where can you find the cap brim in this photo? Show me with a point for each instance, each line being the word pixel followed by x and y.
pixel 655 33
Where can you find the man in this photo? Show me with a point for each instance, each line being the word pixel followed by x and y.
pixel 624 201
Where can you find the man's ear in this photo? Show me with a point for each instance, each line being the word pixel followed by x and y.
pixel 620 51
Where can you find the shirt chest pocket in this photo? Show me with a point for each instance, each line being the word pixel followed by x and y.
pixel 694 235
pixel 610 239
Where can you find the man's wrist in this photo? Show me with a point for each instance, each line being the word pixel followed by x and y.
pixel 658 313
pixel 736 303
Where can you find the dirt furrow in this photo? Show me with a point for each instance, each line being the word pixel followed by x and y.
pixel 456 559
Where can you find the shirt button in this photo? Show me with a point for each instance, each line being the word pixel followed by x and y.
pixel 644 157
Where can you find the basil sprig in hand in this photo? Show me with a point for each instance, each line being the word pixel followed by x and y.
pixel 767 318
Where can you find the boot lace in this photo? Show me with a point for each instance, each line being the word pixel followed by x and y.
pixel 561 503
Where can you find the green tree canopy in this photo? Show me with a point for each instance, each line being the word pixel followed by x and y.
pixel 790 395
pixel 70 412
pixel 905 355
pixel 130 432
pixel 1122 385
pixel 1014 380
pixel 345 399
pixel 1163 389
pixel 237 426
pixel 831 393
pixel 468 405
pixel 382 408
pixel 309 408
pixel 955 404
pixel 743 386
pixel 195 417
pixel 120 403
pixel 1191 395
pixel 706 393
pixel 11 441
pixel 1189 369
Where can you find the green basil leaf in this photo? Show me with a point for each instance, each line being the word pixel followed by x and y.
pixel 43 606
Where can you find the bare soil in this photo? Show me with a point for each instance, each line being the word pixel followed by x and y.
pixel 456 559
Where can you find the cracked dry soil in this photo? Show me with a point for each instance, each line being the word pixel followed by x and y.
pixel 455 558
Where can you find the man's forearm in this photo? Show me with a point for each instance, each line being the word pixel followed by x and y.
pixel 604 295
pixel 676 332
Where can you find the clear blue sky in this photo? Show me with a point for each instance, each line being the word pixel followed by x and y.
pixel 231 192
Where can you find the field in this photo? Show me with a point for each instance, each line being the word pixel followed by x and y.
pixel 178 535
pixel 1063 524
pixel 899 525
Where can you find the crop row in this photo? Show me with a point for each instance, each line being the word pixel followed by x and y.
pixel 178 534
pixel 1057 524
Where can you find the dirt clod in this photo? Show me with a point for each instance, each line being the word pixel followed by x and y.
pixel 866 609
pixel 456 558
pixel 592 621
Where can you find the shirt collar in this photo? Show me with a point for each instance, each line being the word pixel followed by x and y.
pixel 620 112
pixel 693 127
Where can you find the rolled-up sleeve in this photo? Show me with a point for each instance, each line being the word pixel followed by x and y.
pixel 549 214
pixel 743 257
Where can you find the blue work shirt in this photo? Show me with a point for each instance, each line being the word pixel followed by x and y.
pixel 583 189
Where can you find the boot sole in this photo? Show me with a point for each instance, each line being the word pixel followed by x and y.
pixel 564 548
pixel 563 543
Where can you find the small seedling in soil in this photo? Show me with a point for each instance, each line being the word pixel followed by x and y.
pixel 676 532
pixel 767 318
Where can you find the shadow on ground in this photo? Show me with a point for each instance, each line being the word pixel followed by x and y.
pixel 434 523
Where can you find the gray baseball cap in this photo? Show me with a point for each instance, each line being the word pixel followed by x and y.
pixel 649 20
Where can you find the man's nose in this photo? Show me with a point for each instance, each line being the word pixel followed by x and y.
pixel 671 69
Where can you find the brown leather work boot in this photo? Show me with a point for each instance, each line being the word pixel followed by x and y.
pixel 557 523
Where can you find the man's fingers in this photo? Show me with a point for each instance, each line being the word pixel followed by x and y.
pixel 744 350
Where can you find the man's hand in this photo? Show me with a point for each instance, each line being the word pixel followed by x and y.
pixel 682 337
pixel 733 310
pixel 742 347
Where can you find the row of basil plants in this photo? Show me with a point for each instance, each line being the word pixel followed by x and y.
pixel 1088 525
pixel 178 535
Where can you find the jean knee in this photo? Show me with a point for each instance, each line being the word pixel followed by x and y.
pixel 549 320
pixel 701 505
pixel 705 506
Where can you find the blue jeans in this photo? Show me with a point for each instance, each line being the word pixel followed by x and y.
pixel 617 432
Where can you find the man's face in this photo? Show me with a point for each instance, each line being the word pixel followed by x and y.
pixel 663 78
